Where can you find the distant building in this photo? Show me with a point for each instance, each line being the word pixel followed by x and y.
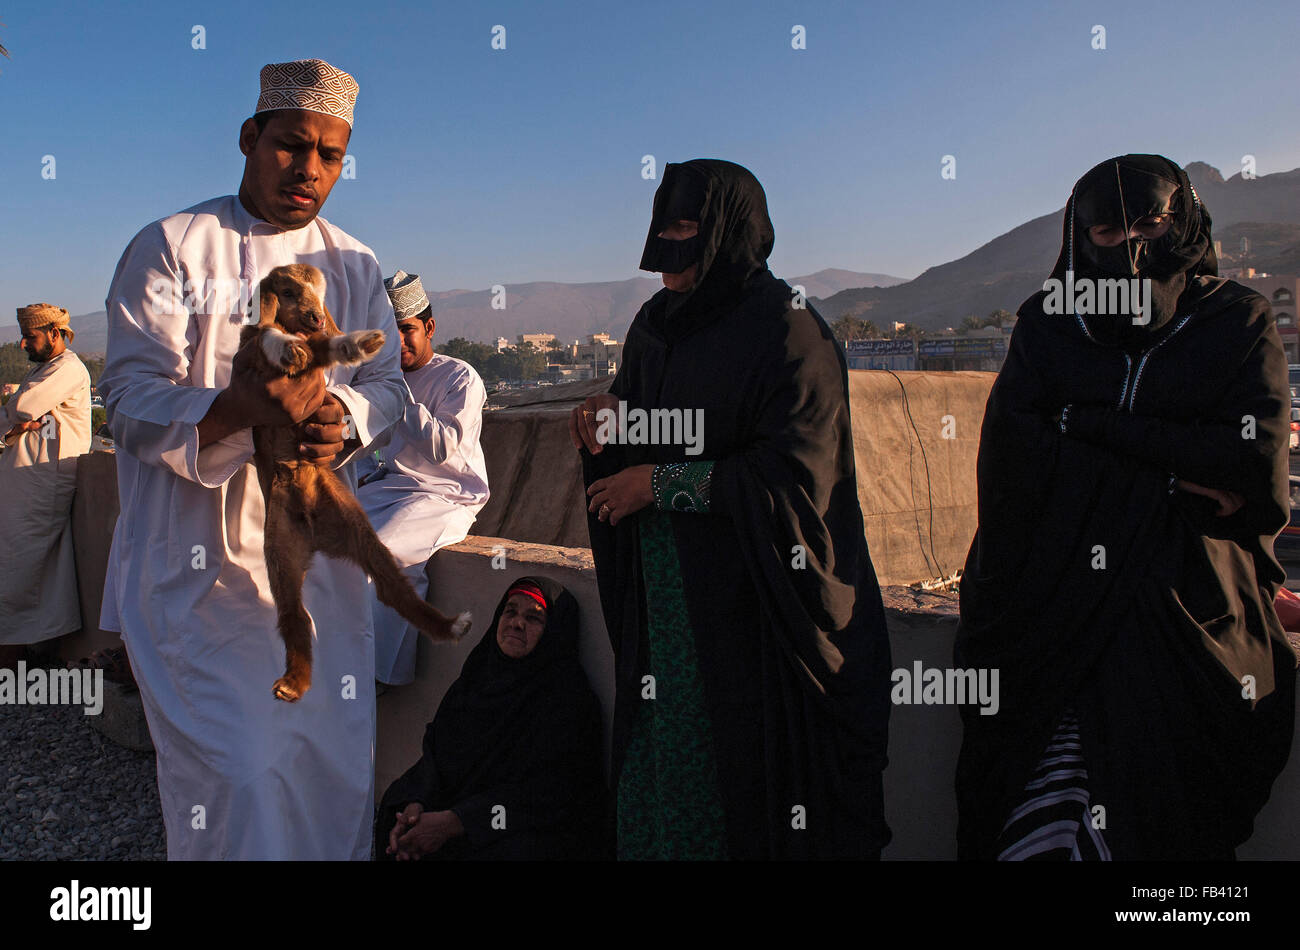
pixel 895 355
pixel 1281 291
pixel 502 343
pixel 978 350
pixel 983 350
pixel 599 356
pixel 540 340
pixel 599 346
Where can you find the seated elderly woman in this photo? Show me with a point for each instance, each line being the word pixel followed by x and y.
pixel 512 763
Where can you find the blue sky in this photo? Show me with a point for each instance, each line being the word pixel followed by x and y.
pixel 476 166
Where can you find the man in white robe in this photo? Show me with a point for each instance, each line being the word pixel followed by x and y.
pixel 431 479
pixel 241 774
pixel 45 426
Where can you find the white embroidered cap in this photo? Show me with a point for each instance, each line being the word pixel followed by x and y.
pixel 407 294
pixel 310 84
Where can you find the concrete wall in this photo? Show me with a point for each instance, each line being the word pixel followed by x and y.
pixel 915 455
pixel 94 513
pixel 916 486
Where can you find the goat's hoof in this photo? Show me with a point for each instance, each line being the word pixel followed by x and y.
pixel 287 691
pixel 296 357
pixel 460 626
pixel 370 341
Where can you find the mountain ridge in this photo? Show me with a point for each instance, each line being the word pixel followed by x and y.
pixel 1003 272
pixel 569 310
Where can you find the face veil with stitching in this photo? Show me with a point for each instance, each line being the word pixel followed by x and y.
pixel 1116 193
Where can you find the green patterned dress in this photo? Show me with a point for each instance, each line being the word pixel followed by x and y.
pixel 669 806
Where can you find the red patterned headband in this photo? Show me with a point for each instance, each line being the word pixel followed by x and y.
pixel 530 590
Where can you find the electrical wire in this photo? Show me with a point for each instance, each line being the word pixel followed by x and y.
pixel 929 488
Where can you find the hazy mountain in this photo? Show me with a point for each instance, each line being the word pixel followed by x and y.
pixel 571 311
pixel 824 283
pixel 90 332
pixel 1008 269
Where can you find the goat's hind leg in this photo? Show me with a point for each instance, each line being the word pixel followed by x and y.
pixel 288 554
pixel 345 532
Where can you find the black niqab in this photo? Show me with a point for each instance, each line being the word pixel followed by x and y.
pixel 1118 192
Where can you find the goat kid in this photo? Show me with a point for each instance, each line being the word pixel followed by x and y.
pixel 308 509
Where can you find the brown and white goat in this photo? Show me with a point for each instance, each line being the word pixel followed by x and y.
pixel 308 509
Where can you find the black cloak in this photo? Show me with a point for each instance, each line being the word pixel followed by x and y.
pixel 524 733
pixel 1094 584
pixel 794 659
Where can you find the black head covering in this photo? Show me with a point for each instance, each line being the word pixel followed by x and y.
pixel 489 672
pixel 734 241
pixel 506 724
pixel 1118 192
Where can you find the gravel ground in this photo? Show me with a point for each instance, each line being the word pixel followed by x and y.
pixel 70 794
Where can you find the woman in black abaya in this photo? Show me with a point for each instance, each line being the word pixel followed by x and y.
pixel 1132 475
pixel 752 661
pixel 512 764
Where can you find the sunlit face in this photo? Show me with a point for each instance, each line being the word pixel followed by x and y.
pixel 291 166
pixel 680 230
pixel 521 625
pixel 41 344
pixel 417 342
pixel 1113 235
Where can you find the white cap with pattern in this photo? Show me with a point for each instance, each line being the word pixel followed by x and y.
pixel 310 84
pixel 407 294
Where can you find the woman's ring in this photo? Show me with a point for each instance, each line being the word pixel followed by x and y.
pixel 604 511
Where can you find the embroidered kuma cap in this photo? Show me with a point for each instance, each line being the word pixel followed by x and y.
pixel 310 84
pixel 407 294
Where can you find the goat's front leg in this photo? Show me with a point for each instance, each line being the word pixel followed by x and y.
pixel 288 553
pixel 285 351
pixel 350 349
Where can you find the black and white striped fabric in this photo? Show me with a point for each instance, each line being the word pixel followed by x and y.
pixel 1054 819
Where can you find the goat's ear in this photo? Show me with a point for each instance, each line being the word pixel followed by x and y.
pixel 268 305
